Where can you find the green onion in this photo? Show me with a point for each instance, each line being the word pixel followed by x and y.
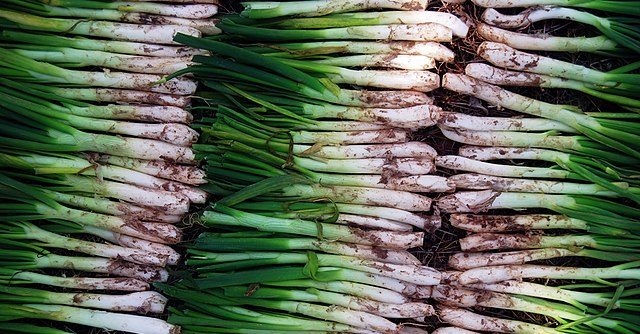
pixel 503 273
pixel 141 302
pixel 23 201
pixel 20 277
pixel 21 255
pixel 608 134
pixel 397 32
pixel 111 46
pixel 613 6
pixel 503 223
pixel 466 298
pixel 469 320
pixel 588 208
pixel 154 34
pixel 619 29
pixel 95 318
pixel 238 242
pixel 458 27
pixel 502 77
pixel 29 231
pixel 262 10
pixel 24 68
pixel 520 41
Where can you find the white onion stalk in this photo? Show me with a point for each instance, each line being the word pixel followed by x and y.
pixel 28 256
pixel 497 274
pixel 74 165
pixel 548 292
pixel 618 29
pixel 373 222
pixel 398 61
pixel 491 241
pixel 416 274
pixel 142 113
pixel 422 81
pixel 537 14
pixel 505 56
pixel 173 133
pixel 25 230
pixel 67 57
pixel 95 318
pixel 477 123
pixel 613 5
pixel 40 71
pixel 509 153
pixel 159 168
pixel 189 11
pixel 361 195
pixel 11 277
pixel 473 321
pixel 350 137
pixel 140 302
pixel 465 261
pixel 458 27
pixel 119 47
pixel 109 207
pixel 173 257
pixel 121 96
pixel 510 139
pixel 469 165
pixel 156 185
pixel 389 239
pixel 492 223
pixel 355 126
pixel 217 241
pixel 503 77
pixel 479 201
pixel 156 34
pixel 111 267
pixel 205 25
pixel 433 50
pixel 165 201
pixel 411 166
pixel 339 314
pixel 413 183
pixel 262 10
pixel 502 184
pixel 355 289
pixel 405 310
pixel 408 289
pixel 542 42
pixel 408 149
pixel 396 32
pixel 157 232
pixel 426 223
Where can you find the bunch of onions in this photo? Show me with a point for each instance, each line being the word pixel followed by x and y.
pixel 96 159
pixel 321 191
pixel 564 178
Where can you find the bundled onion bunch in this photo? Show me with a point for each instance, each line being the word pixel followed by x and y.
pixel 95 158
pixel 323 190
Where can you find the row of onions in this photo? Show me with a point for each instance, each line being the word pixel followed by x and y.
pixel 96 161
pixel 578 167
pixel 308 111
